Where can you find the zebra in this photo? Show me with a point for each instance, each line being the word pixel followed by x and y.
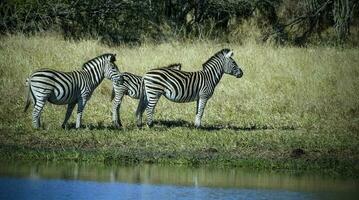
pixel 182 86
pixel 69 88
pixel 131 86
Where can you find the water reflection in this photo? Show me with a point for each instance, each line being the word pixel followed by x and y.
pixel 204 179
pixel 155 174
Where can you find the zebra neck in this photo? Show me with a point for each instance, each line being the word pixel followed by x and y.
pixel 213 74
pixel 94 76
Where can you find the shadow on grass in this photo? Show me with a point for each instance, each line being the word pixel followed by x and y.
pixel 182 123
pixel 98 126
pixel 160 124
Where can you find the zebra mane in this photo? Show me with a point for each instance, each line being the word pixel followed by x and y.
pixel 217 55
pixel 112 59
pixel 173 65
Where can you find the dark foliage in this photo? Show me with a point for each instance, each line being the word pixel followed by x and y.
pixel 130 21
pixel 112 21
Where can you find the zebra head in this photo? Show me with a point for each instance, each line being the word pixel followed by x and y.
pixel 230 66
pixel 111 70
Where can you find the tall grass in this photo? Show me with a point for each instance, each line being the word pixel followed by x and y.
pixel 282 87
pixel 308 97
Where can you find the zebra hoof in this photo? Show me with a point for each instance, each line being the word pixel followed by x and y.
pixel 117 125
pixel 139 123
pixel 150 125
pixel 63 126
pixel 36 125
pixel 79 127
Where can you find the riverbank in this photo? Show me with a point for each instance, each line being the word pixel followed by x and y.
pixel 294 109
pixel 293 150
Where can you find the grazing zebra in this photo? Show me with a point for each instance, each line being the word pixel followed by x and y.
pixel 181 86
pixel 131 86
pixel 69 88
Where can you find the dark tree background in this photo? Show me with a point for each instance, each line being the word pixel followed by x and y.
pixel 132 21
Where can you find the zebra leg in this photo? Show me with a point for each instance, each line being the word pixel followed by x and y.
pixel 197 106
pixel 201 104
pixel 152 101
pixel 36 113
pixel 139 118
pixel 116 119
pixel 142 105
pixel 70 108
pixel 80 107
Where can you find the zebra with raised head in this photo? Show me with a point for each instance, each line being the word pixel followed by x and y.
pixel 182 86
pixel 69 88
pixel 129 85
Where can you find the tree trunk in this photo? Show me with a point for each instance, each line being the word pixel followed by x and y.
pixel 342 16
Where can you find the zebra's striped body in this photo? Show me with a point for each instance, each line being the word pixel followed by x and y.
pixel 131 86
pixel 70 88
pixel 181 86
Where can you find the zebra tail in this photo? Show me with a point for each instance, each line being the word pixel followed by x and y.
pixel 143 100
pixel 28 94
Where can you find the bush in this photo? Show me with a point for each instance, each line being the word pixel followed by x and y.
pixel 111 21
pixel 130 21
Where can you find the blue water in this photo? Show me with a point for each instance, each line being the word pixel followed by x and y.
pixel 25 188
pixel 71 180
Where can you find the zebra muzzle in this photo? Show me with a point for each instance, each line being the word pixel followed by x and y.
pixel 239 75
pixel 118 79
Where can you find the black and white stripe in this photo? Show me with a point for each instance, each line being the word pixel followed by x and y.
pixel 69 88
pixel 129 85
pixel 181 86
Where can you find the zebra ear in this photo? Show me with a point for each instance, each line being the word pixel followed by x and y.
pixel 113 58
pixel 229 54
